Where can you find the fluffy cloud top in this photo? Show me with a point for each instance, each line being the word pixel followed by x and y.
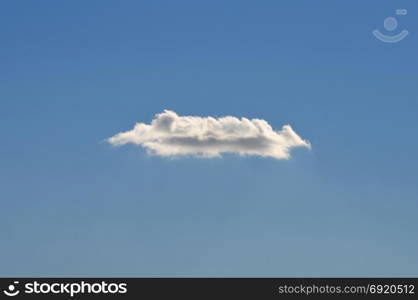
pixel 172 135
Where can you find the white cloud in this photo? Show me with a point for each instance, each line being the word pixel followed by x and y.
pixel 172 135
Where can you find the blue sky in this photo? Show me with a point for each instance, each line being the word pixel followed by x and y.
pixel 75 73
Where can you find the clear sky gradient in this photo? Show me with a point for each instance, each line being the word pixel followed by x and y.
pixel 73 73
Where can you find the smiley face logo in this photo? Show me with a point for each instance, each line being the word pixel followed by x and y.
pixel 391 24
pixel 11 290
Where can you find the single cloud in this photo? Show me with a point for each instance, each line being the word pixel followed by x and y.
pixel 172 135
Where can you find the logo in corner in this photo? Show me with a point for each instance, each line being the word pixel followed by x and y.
pixel 11 289
pixel 390 25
